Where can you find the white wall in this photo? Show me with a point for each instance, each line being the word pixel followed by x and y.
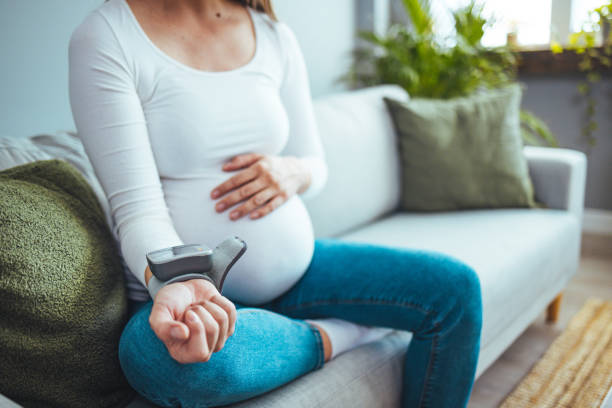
pixel 34 38
pixel 326 32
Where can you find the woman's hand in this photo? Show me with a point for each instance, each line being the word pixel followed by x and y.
pixel 265 183
pixel 192 319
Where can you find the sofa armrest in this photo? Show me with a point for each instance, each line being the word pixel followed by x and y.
pixel 7 403
pixel 559 177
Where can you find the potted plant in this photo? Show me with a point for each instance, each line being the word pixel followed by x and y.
pixel 425 65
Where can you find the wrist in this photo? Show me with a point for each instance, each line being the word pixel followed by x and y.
pixel 199 286
pixel 304 173
pixel 196 285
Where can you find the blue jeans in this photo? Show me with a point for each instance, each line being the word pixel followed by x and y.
pixel 430 294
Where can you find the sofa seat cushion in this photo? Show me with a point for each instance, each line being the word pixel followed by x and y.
pixel 521 256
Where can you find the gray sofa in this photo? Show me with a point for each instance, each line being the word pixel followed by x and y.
pixel 524 257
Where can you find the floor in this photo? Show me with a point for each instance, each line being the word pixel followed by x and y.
pixel 594 279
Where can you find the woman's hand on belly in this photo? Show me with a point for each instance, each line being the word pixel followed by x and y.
pixel 264 183
pixel 192 319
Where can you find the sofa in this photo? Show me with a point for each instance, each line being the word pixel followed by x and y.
pixel 524 257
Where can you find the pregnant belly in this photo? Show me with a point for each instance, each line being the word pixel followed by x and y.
pixel 279 245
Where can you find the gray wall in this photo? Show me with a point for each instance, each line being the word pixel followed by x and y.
pixel 556 101
pixel 34 38
pixel 34 72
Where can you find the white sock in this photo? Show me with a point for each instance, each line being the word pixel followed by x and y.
pixel 345 335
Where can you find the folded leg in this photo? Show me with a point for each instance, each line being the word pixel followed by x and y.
pixel 266 351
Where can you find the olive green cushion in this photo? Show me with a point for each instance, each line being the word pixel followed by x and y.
pixel 62 297
pixel 462 153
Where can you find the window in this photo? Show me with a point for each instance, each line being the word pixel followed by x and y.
pixel 580 12
pixel 534 22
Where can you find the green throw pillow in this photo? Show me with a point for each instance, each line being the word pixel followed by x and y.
pixel 462 153
pixel 62 296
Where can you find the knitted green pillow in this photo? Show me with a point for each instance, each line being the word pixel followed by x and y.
pixel 62 295
pixel 462 153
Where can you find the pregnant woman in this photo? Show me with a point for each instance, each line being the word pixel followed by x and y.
pixel 197 118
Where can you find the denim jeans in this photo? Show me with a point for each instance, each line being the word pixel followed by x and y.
pixel 430 294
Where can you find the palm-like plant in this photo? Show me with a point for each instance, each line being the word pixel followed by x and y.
pixel 431 67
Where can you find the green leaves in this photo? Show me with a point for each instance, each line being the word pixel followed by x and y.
pixel 419 13
pixel 535 131
pixel 470 24
pixel 414 58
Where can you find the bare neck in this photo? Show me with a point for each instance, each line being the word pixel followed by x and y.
pixel 201 8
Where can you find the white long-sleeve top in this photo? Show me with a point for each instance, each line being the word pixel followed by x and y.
pixel 157 133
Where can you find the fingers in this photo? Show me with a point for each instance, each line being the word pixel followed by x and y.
pixel 254 202
pixel 229 308
pixel 222 320
pixel 196 349
pixel 211 328
pixel 260 199
pixel 165 327
pixel 234 182
pixel 266 184
pixel 242 161
pixel 241 194
pixel 269 207
pixel 189 335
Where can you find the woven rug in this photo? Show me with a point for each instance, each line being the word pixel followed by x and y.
pixel 576 371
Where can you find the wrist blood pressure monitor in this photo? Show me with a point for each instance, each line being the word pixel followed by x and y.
pixel 193 261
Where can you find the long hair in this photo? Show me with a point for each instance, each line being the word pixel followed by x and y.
pixel 260 5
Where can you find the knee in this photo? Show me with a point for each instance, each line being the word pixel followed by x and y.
pixel 155 375
pixel 467 294
pixel 128 342
pixel 146 363
pixel 219 381
pixel 458 296
pixel 209 384
pixel 135 358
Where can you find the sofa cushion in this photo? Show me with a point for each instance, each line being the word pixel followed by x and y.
pixel 63 301
pixel 15 151
pixel 361 154
pixel 462 153
pixel 523 258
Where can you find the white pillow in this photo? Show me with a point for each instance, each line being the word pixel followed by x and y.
pixel 361 154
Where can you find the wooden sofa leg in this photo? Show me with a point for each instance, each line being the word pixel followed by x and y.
pixel 552 311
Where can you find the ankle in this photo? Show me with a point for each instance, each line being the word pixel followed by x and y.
pixel 343 335
pixel 327 346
